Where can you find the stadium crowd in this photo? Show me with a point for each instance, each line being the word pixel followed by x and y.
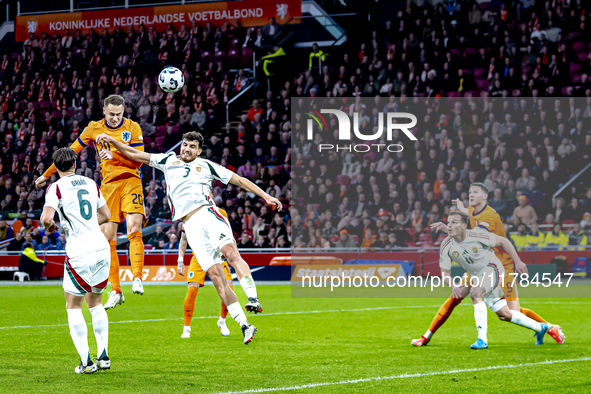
pixel 522 148
pixel 54 86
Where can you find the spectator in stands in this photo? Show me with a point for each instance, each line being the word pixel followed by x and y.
pixel 393 242
pixel 46 244
pixel 30 241
pixel 577 237
pixel 172 243
pixel 519 239
pixel 30 263
pixel 498 203
pixel 586 202
pixel 559 208
pixel 5 231
pixel 282 242
pixel 556 238
pixel 272 28
pixel 535 238
pixel 245 242
pixel 573 212
pixel 369 239
pixel 158 236
pixel 533 194
pixel 60 243
pixel 345 240
pixel 17 243
pixel 524 213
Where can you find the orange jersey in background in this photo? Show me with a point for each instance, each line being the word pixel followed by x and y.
pixel 489 220
pixel 119 167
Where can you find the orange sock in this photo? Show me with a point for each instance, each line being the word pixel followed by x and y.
pixel 443 313
pixel 224 311
pixel 189 304
pixel 136 253
pixel 532 315
pixel 114 270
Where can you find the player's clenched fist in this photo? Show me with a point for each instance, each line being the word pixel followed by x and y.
pixel 104 138
pixel 41 181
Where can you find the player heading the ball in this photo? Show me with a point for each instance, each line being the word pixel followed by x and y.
pixel 472 250
pixel 188 180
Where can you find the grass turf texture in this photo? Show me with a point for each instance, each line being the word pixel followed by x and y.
pixel 289 349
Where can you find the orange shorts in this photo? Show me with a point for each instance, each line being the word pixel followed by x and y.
pixel 124 196
pixel 511 281
pixel 197 275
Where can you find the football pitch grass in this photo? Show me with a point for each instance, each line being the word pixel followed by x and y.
pixel 303 346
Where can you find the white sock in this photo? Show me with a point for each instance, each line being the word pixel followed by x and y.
pixel 480 317
pixel 100 325
pixel 524 321
pixel 428 334
pixel 222 320
pixel 235 310
pixel 79 333
pixel 248 286
pixel 187 328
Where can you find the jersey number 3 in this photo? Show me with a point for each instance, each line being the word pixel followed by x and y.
pixel 85 207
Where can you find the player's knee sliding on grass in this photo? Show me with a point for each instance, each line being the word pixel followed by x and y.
pixel 81 209
pixel 209 234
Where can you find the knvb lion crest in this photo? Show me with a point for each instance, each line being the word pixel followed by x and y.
pixel 126 136
pixel 32 25
pixel 282 11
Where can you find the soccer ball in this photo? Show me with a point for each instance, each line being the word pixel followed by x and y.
pixel 171 80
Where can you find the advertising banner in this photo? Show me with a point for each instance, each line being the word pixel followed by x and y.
pixel 250 13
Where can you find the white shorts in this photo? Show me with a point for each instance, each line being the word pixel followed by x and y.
pixel 207 232
pixel 490 280
pixel 87 273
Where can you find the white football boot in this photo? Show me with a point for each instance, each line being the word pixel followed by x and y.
pixel 114 300
pixel 223 327
pixel 86 369
pixel 137 287
pixel 186 332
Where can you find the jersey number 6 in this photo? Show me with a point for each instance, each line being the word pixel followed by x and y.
pixel 85 207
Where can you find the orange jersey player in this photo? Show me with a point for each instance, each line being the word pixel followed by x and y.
pixel 485 218
pixel 196 279
pixel 122 188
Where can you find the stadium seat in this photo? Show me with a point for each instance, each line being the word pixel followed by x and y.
pixel 574 68
pixel 579 47
pixel 56 114
pixel 234 43
pixel 482 83
pixel 219 56
pixel 355 238
pixel 205 56
pixel 440 239
pixel 470 51
pixel 159 141
pixel 478 73
pixel 246 58
pixel 470 93
pixel 334 239
pixel 148 247
pixel 454 94
pixel 568 222
pixel 467 71
pixel 44 104
pixel 232 58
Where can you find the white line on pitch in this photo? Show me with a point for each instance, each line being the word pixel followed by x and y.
pixel 404 376
pixel 286 313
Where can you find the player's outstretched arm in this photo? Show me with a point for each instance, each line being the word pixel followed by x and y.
pixel 251 187
pixel 42 180
pixel 439 226
pixel 508 246
pixel 182 249
pixel 103 214
pixel 127 151
pixel 460 205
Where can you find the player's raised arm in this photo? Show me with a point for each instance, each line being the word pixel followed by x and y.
pixel 127 151
pixel 78 145
pixel 182 249
pixel 460 205
pixel 251 187
pixel 508 246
